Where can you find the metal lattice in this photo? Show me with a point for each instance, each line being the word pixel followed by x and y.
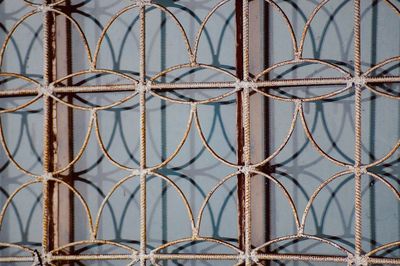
pixel 243 84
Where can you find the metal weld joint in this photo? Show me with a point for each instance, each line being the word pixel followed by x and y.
pixel 357 260
pixel 251 257
pixel 134 258
pixel 358 81
pixel 245 85
pixel 195 233
pixel 357 169
pixel 143 87
pixel 193 106
pixel 152 258
pixel 300 231
pixel 143 3
pixel 47 258
pixel 46 177
pixel 298 103
pixel 254 257
pixel 93 113
pixel 140 172
pixel 246 169
pixel 46 90
pixel 43 8
pixel 42 258
pixel 297 56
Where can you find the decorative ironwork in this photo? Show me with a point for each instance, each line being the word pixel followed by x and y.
pixel 49 90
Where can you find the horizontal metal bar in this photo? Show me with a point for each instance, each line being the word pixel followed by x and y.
pixel 194 85
pixel 303 257
pixel 92 257
pixel 196 256
pixel 392 261
pixel 287 257
pixel 387 79
pixel 302 82
pixel 96 88
pixel 197 85
pixel 146 256
pixel 17 259
pixel 18 92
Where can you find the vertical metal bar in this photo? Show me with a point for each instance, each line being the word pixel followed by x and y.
pixel 357 148
pixel 246 129
pixel 47 128
pixel 239 118
pixel 142 136
pixel 247 188
pixel 243 125
pixel 245 39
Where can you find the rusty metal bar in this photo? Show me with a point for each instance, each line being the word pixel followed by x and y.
pixel 48 47
pixel 269 84
pixel 358 145
pixel 239 123
pixel 142 102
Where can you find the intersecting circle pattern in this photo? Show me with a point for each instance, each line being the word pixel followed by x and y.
pixel 252 84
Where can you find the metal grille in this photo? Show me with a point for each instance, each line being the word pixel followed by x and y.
pixel 51 92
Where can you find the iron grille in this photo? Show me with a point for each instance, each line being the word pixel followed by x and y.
pixel 243 84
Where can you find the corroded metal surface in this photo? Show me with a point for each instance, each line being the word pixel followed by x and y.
pixel 49 92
